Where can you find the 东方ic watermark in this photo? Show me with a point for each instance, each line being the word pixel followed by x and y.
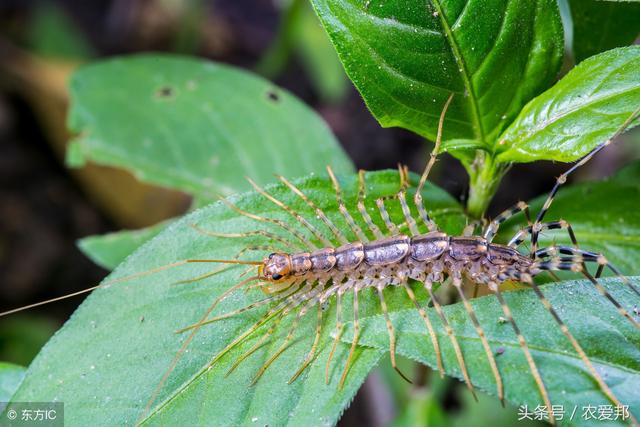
pixel 19 414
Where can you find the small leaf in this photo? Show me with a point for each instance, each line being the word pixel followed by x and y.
pixel 406 58
pixel 604 216
pixel 109 250
pixel 122 337
pixel 600 25
pixel 610 341
pixel 194 125
pixel 582 110
pixel 10 378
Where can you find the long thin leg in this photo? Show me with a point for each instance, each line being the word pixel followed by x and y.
pixel 427 322
pixel 522 235
pixel 454 341
pixel 494 226
pixel 338 334
pixel 363 209
pixel 457 283
pixel 424 216
pixel 319 212
pixel 256 346
pixel 525 349
pixel 392 334
pixel 356 336
pixel 312 352
pixel 576 262
pixel 343 209
pixel 293 213
pixel 565 330
pixel 245 234
pixel 391 226
pixel 304 240
pixel 563 178
pixel 186 343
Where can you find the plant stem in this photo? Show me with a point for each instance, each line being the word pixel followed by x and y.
pixel 484 178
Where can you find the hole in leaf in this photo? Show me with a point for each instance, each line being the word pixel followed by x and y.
pixel 273 96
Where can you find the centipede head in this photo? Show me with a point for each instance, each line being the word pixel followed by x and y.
pixel 276 267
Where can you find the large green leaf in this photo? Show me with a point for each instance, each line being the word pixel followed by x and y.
pixel 604 216
pixel 600 25
pixel 10 377
pixel 194 125
pixel 611 342
pixel 121 338
pixel 407 57
pixel 581 111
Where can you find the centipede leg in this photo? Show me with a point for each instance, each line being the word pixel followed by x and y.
pixel 312 352
pixel 245 234
pixel 363 209
pixel 338 334
pixel 427 322
pixel 454 342
pixel 356 336
pixel 493 287
pixel 581 353
pixel 457 283
pixel 343 209
pixel 392 334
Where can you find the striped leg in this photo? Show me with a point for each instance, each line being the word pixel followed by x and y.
pixel 338 334
pixel 454 342
pixel 576 261
pixel 427 322
pixel 424 216
pixel 356 336
pixel 494 287
pixel 326 242
pixel 319 212
pixel 494 226
pixel 565 330
pixel 363 209
pixel 457 283
pixel 343 209
pixel 563 178
pixel 312 352
pixel 523 234
pixel 305 241
pixel 263 233
pixel 392 334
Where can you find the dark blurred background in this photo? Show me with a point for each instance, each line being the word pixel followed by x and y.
pixel 45 207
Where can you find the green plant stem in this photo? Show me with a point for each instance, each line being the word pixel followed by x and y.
pixel 484 178
pixel 275 59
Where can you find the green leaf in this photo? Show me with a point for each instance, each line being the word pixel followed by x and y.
pixel 582 110
pixel 600 25
pixel 194 125
pixel 610 341
pixel 10 378
pixel 109 250
pixel 604 216
pixel 406 59
pixel 122 337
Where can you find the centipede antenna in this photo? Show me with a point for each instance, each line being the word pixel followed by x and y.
pixel 293 213
pixel 245 234
pixel 432 226
pixel 343 209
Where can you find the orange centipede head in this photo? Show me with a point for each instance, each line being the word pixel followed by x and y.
pixel 276 267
